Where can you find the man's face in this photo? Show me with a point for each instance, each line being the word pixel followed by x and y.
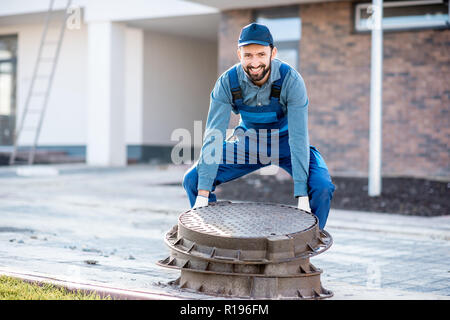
pixel 255 60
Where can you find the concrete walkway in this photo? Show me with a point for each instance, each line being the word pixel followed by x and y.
pixel 102 229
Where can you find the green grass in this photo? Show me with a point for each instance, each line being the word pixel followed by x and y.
pixel 16 289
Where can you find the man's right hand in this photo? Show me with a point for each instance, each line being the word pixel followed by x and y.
pixel 200 201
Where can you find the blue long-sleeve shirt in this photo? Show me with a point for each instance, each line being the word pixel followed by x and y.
pixel 294 101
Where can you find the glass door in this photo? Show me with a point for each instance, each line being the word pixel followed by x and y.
pixel 8 67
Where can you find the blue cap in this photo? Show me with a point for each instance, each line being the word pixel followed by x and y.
pixel 255 33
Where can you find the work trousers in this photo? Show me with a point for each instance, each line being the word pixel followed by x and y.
pixel 245 155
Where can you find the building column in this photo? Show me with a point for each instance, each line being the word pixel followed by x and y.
pixel 106 94
pixel 134 86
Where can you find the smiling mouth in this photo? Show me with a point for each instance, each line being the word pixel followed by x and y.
pixel 256 70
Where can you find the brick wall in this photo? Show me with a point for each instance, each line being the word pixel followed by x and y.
pixel 417 103
pixel 335 64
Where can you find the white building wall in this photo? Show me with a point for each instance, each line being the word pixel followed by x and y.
pixel 65 122
pixel 179 74
pixel 65 119
pixel 168 81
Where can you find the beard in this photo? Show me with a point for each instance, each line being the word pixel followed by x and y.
pixel 257 76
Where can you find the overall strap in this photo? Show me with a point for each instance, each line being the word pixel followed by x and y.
pixel 276 86
pixel 236 91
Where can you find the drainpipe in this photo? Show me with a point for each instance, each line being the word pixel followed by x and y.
pixel 376 94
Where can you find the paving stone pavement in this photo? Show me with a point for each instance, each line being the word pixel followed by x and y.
pixel 105 226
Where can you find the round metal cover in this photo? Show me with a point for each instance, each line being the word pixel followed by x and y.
pixel 248 233
pixel 253 250
pixel 247 220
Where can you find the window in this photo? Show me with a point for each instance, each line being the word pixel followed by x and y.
pixel 285 25
pixel 398 15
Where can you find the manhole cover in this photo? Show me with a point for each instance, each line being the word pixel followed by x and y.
pixel 258 250
pixel 247 220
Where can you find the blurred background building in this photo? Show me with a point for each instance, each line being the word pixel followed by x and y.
pixel 131 72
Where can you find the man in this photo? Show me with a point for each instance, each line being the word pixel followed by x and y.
pixel 271 98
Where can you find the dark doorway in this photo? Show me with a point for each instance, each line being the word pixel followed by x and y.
pixel 8 75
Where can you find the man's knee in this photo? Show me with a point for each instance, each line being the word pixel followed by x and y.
pixel 190 179
pixel 323 189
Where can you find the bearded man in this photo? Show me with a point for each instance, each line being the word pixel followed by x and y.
pixel 270 97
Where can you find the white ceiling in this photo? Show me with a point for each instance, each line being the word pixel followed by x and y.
pixel 203 26
pixel 30 18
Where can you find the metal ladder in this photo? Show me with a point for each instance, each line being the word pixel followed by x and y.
pixel 35 128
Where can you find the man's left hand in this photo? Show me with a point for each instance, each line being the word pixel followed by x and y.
pixel 303 204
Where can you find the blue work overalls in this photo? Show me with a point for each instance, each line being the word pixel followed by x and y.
pixel 320 186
